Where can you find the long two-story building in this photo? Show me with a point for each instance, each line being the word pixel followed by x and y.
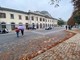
pixel 11 18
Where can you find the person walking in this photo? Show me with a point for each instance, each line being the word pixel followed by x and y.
pixel 22 32
pixel 17 31
pixel 21 28
pixel 66 27
pixel 69 27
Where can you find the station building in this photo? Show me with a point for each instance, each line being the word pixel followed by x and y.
pixel 11 18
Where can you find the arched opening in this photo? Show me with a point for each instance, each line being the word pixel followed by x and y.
pixel 50 25
pixel 40 25
pixel 20 23
pixel 26 25
pixel 46 25
pixel 12 26
pixel 37 25
pixel 33 25
pixel 3 25
pixel 43 25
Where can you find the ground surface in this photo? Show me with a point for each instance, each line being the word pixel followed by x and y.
pixel 13 48
pixel 67 50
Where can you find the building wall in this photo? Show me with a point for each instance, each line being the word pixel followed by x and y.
pixel 8 19
pixel 16 20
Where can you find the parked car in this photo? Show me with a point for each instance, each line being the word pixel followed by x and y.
pixel 4 31
pixel 49 28
pixel 31 28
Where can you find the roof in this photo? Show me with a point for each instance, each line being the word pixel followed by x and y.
pixel 12 10
pixel 35 13
pixel 39 14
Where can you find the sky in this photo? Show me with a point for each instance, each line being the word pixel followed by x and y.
pixel 64 11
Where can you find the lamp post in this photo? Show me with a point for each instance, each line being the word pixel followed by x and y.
pixel 29 21
pixel 0 19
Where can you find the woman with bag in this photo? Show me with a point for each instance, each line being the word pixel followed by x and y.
pixel 21 28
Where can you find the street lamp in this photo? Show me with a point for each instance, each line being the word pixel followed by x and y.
pixel 0 19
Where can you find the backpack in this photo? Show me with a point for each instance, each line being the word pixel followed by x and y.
pixel 17 30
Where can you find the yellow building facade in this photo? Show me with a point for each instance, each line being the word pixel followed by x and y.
pixel 10 18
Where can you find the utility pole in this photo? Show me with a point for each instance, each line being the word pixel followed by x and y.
pixel 0 18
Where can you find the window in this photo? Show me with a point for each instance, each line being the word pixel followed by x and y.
pixel 3 24
pixel 40 25
pixel 13 26
pixel 26 17
pixel 32 18
pixel 20 17
pixel 37 18
pixel 20 23
pixel 46 20
pixel 2 15
pixel 43 19
pixel 40 19
pixel 50 20
pixel 12 16
pixel 48 25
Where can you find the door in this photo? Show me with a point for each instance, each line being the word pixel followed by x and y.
pixel 26 25
pixel 12 26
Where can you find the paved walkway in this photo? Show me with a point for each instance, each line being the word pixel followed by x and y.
pixel 13 48
pixel 47 32
pixel 68 50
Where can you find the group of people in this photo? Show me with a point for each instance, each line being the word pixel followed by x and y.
pixel 68 27
pixel 19 29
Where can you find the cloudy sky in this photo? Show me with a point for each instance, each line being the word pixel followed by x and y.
pixel 64 11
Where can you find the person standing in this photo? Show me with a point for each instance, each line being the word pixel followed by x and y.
pixel 17 31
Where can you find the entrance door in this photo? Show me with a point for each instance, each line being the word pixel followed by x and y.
pixel 43 25
pixel 40 25
pixel 26 25
pixel 13 26
pixel 3 25
pixel 37 26
pixel 33 25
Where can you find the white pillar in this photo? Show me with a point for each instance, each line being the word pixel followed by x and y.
pixel 8 26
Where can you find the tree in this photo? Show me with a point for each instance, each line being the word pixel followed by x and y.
pixel 55 3
pixel 76 13
pixel 77 19
pixel 71 21
pixel 76 3
pixel 61 22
